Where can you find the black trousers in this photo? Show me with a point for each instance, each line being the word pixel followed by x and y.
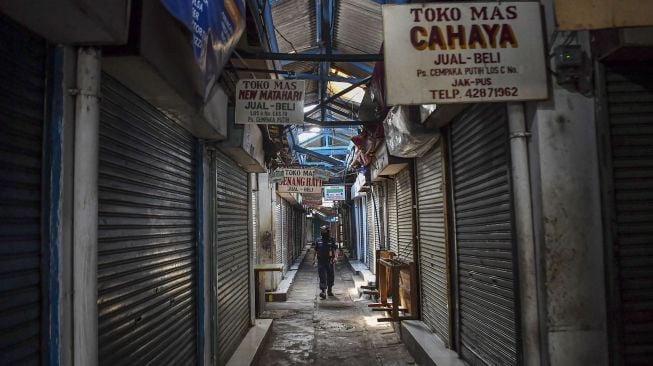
pixel 327 274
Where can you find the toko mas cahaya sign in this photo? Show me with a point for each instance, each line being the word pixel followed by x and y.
pixel 463 52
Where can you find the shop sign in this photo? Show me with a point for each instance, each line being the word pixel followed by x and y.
pixel 261 101
pixel 312 200
pixel 299 181
pixel 463 53
pixel 216 26
pixel 334 193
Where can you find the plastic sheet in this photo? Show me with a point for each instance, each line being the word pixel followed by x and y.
pixel 405 137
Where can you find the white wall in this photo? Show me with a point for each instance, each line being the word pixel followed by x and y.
pixel 266 245
pixel 265 228
pixel 567 210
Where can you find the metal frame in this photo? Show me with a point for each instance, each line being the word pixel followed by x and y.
pixel 324 54
pixel 454 337
pixel 612 288
pixel 200 254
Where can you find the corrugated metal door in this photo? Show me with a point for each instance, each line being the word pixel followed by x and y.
pixel 254 210
pixel 630 98
pixel 232 239
pixel 278 228
pixel 371 233
pixel 379 206
pixel 392 216
pixel 291 236
pixel 357 228
pixel 22 90
pixel 484 236
pixel 433 253
pixel 405 240
pixel 147 259
pixel 284 235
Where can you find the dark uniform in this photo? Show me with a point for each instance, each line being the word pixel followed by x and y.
pixel 326 252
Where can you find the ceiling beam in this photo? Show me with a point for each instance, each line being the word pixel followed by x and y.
pixel 334 57
pixel 318 156
pixel 337 124
pixel 338 95
pixel 296 75
pixel 330 150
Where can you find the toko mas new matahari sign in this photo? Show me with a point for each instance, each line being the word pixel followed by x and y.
pixel 464 52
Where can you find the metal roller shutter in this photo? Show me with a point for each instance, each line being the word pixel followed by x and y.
pixel 254 210
pixel 392 217
pixel 284 235
pixel 379 201
pixel 433 262
pixel 371 236
pixel 22 69
pixel 362 229
pixel 232 255
pixel 278 228
pixel 484 236
pixel 630 98
pixel 356 228
pixel 405 242
pixel 147 259
pixel 299 232
pixel 291 235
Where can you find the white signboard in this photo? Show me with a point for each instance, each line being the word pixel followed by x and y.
pixel 334 193
pixel 261 101
pixel 463 52
pixel 299 181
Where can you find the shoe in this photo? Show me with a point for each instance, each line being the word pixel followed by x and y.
pixel 322 295
pixel 329 292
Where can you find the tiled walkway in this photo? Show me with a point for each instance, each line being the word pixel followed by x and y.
pixel 338 331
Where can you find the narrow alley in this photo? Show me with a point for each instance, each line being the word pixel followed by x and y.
pixel 340 330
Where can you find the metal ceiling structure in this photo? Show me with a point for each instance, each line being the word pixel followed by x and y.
pixel 323 42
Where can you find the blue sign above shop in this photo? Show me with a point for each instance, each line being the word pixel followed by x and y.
pixel 216 26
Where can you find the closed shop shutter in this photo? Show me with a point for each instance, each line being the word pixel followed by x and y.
pixel 278 228
pixel 630 98
pixel 299 232
pixel 392 217
pixel 232 254
pixel 22 91
pixel 284 234
pixel 433 263
pixel 357 228
pixel 371 233
pixel 362 229
pixel 379 207
pixel 254 210
pixel 405 240
pixel 291 236
pixel 147 243
pixel 484 236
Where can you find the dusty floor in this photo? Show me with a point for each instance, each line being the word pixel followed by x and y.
pixel 339 331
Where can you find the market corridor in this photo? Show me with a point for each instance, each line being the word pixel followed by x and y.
pixel 340 330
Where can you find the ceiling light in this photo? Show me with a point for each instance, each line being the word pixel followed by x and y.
pixel 315 129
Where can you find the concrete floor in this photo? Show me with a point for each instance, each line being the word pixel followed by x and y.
pixel 338 331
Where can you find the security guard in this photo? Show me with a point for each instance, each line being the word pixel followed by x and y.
pixel 324 250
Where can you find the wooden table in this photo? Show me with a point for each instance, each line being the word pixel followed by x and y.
pixel 259 283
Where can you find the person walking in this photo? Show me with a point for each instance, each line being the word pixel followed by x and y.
pixel 324 251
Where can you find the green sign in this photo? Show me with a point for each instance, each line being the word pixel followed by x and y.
pixel 334 193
